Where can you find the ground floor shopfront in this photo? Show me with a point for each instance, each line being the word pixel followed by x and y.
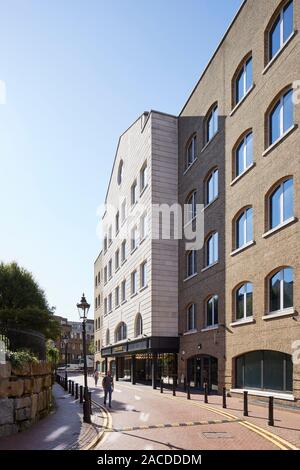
pixel 146 361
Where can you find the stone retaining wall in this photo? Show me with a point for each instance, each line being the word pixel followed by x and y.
pixel 25 396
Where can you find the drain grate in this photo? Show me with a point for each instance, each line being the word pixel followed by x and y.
pixel 217 435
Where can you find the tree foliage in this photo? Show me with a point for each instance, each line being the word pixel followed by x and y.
pixel 23 303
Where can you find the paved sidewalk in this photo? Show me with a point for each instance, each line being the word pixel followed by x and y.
pixel 63 429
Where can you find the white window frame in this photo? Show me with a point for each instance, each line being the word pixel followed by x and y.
pixel 214 116
pixel 215 185
pixel 282 308
pixel 193 254
pixel 245 91
pixel 281 24
pixel 212 298
pixel 245 225
pixel 117 296
pixel 123 290
pixel 193 145
pixel 281 203
pixel 133 192
pixel 245 317
pixel 123 251
pixel 215 248
pixel 134 282
pixel 143 177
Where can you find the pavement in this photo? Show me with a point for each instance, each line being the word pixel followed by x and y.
pixel 63 429
pixel 144 419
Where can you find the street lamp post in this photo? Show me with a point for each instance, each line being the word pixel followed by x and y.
pixel 65 341
pixel 83 309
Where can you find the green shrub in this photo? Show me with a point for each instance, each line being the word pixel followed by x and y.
pixel 21 357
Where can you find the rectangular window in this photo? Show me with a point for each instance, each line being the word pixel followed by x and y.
pixel 133 193
pixel 110 235
pixel 123 290
pixel 117 296
pixel 105 306
pixel 105 274
pixel 117 222
pixel 110 269
pixel 117 259
pixel 123 251
pixel 143 178
pixel 212 124
pixel 110 305
pixel 134 238
pixel 144 226
pixel 123 211
pixel 144 274
pixel 134 282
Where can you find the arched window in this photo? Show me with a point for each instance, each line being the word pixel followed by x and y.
pixel 120 172
pixel 244 301
pixel 191 206
pixel 212 123
pixel 212 249
pixel 212 186
pixel 212 311
pixel 107 337
pixel 190 155
pixel 281 117
pixel 265 370
pixel 243 81
pixel 281 288
pixel 244 228
pixel 281 204
pixel 281 29
pixel 244 154
pixel 121 332
pixel 191 263
pixel 138 327
pixel 191 317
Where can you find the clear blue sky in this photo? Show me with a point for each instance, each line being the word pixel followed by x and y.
pixel 78 72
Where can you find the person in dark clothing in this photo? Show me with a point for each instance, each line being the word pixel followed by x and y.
pixel 108 387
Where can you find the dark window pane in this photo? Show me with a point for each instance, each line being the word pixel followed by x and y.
pixel 275 292
pixel 216 310
pixel 275 38
pixel 275 207
pixel 239 372
pixel 288 373
pixel 210 189
pixel 209 313
pixel 249 300
pixel 253 369
pixel 288 199
pixel 288 26
pixel 275 123
pixel 273 370
pixel 288 111
pixel 240 303
pixel 288 284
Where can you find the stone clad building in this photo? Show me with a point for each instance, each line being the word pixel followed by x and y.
pixel 235 145
pixel 137 299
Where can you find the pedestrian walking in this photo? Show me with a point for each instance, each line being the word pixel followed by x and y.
pixel 96 377
pixel 108 387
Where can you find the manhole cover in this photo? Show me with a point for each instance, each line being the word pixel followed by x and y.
pixel 217 435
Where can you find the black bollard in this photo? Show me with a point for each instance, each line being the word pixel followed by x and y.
pixel 161 386
pixel 205 392
pixel 184 384
pixel 224 398
pixel 76 391
pixel 69 388
pixel 245 403
pixel 90 402
pixel 271 411
pixel 174 386
pixel 81 394
pixel 188 390
pixel 72 389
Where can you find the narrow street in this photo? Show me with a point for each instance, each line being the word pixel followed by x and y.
pixel 143 418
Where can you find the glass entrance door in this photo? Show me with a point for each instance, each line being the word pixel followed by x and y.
pixel 201 369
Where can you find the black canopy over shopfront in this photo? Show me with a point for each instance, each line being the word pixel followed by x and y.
pixel 144 360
